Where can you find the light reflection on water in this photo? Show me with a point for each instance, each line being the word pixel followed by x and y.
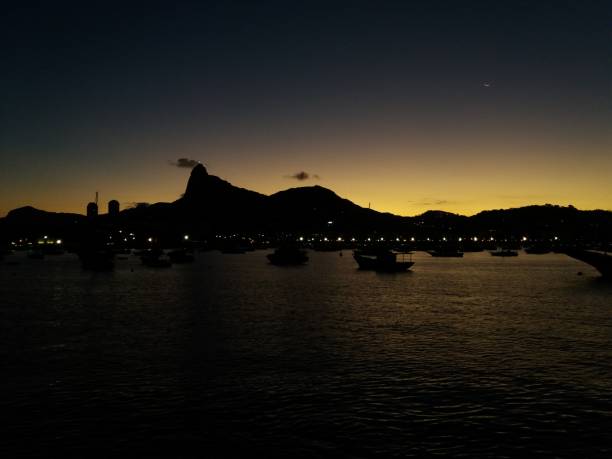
pixel 472 357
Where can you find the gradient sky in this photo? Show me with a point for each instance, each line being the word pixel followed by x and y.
pixel 458 106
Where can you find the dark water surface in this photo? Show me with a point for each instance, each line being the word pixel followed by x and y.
pixel 472 357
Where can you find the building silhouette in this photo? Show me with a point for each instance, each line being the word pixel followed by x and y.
pixel 92 209
pixel 113 207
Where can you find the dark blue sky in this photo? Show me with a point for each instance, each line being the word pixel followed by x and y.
pixel 103 95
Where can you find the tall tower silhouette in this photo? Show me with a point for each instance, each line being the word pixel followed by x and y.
pixel 92 208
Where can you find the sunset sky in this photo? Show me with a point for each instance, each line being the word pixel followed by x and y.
pixel 409 106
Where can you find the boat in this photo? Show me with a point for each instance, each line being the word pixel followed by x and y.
pixel 383 260
pixel 288 256
pixel 504 253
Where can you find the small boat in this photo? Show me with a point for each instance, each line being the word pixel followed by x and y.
pixel 288 256
pixel 504 253
pixel 384 260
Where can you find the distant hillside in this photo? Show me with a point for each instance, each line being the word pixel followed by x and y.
pixel 211 205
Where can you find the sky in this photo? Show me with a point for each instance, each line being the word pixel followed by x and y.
pixel 405 106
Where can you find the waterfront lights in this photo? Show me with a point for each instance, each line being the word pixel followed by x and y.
pixel 301 238
pixel 59 241
pixel 524 238
pixel 460 239
pixel 150 239
pixel 186 237
pixel 412 239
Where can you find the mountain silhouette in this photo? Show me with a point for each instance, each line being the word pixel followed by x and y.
pixel 212 205
pixel 315 208
pixel 217 204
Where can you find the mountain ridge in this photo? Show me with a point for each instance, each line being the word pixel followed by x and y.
pixel 211 205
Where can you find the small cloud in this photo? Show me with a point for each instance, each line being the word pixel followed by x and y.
pixel 137 205
pixel 432 202
pixel 184 162
pixel 302 175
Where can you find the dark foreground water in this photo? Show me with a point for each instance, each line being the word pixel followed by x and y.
pixel 473 357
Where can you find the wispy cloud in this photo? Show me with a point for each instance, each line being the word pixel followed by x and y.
pixel 303 175
pixel 136 205
pixel 432 202
pixel 184 162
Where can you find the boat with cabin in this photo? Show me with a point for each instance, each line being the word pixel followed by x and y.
pixel 383 260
